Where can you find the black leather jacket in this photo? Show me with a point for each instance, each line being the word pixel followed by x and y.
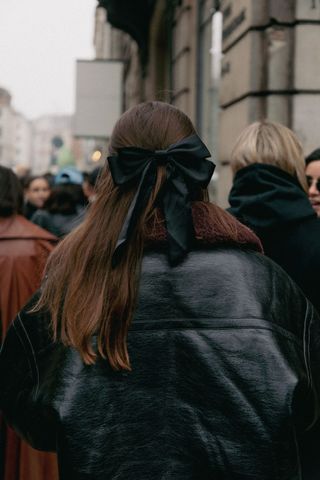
pixel 225 378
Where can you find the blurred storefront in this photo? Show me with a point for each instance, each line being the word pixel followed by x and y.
pixel 173 50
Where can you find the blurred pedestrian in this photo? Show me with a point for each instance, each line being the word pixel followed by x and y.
pixel 22 171
pixel 50 177
pixel 24 249
pixel 313 179
pixel 65 208
pixel 89 184
pixel 178 350
pixel 36 192
pixel 269 195
pixel 72 179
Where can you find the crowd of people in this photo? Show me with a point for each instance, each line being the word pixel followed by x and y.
pixel 149 334
pixel 35 212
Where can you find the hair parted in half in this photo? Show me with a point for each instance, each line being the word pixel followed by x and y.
pixel 314 156
pixel 270 143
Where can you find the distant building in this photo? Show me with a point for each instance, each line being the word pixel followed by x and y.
pixel 44 144
pixel 52 136
pixel 15 134
pixel 23 140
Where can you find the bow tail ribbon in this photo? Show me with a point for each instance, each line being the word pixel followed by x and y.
pixel 186 167
pixel 138 203
pixel 178 217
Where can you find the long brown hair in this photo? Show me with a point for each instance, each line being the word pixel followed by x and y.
pixel 83 293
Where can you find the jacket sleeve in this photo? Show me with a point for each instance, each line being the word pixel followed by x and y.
pixel 312 342
pixel 310 439
pixel 19 384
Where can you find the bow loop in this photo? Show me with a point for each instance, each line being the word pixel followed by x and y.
pixel 186 166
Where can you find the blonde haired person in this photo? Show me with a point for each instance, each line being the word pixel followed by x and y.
pixel 269 195
pixel 272 144
pixel 163 345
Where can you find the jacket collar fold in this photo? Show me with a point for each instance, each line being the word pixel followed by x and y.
pixel 265 196
pixel 213 227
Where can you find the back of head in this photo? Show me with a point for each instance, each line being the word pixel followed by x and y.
pixel 313 156
pixel 70 179
pixel 68 176
pixel 150 125
pixel 61 200
pixel 272 144
pixel 11 194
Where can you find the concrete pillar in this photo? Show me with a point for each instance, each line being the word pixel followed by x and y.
pixel 270 69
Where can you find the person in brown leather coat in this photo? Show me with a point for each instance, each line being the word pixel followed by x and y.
pixel 24 249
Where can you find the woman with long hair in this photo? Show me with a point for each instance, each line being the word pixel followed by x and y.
pixel 162 343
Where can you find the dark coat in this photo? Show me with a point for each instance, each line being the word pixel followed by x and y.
pixel 58 224
pixel 24 250
pixel 272 203
pixel 29 209
pixel 225 374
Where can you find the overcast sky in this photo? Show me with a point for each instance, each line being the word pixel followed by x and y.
pixel 40 41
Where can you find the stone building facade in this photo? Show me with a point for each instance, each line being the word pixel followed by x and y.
pixel 270 69
pixel 15 134
pixel 267 51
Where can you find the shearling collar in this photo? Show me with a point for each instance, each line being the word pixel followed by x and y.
pixel 213 227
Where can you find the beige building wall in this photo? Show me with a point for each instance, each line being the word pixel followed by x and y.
pixel 102 34
pixel 270 70
pixel 184 56
pixel 170 72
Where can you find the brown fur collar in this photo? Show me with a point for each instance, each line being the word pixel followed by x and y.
pixel 213 226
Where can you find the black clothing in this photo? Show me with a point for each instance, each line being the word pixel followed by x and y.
pixel 29 209
pixel 187 170
pixel 58 224
pixel 273 204
pixel 225 376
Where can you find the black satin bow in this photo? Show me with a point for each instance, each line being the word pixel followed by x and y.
pixel 186 167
